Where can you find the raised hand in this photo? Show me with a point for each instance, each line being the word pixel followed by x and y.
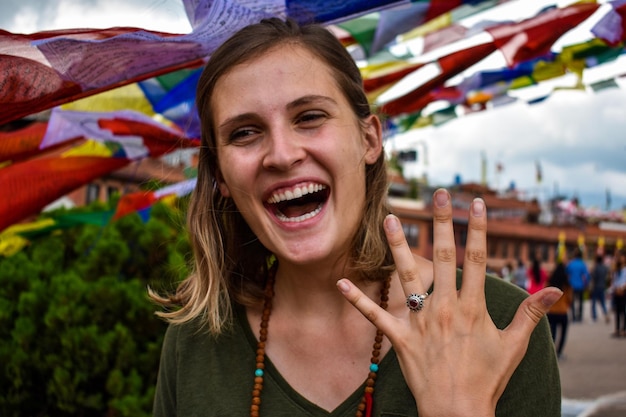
pixel 454 359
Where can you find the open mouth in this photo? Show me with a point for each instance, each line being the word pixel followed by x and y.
pixel 299 203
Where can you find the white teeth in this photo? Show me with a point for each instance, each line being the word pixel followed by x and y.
pixel 297 192
pixel 298 219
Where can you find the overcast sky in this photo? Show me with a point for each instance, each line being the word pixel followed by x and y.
pixel 579 138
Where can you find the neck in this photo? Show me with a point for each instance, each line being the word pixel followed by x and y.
pixel 314 292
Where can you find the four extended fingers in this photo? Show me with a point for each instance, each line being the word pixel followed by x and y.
pixel 444 263
pixel 472 296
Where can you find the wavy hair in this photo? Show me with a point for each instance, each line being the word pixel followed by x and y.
pixel 230 262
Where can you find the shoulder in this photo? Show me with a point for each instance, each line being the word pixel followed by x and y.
pixel 193 336
pixel 196 353
pixel 202 371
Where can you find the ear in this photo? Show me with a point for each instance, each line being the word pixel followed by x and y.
pixel 373 139
pixel 221 184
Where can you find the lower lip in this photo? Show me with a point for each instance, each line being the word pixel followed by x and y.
pixel 301 221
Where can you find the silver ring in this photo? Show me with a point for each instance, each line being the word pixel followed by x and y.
pixel 415 302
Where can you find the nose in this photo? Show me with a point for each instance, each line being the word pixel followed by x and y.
pixel 284 150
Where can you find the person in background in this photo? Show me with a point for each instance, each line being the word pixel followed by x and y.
pixel 618 293
pixel 558 313
pixel 520 275
pixel 537 277
pixel 507 272
pixel 305 298
pixel 599 278
pixel 578 276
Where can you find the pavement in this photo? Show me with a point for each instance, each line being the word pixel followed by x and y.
pixel 593 369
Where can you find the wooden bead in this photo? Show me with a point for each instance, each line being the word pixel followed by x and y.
pixel 263 331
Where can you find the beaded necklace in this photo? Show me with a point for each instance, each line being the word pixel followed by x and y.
pixel 364 408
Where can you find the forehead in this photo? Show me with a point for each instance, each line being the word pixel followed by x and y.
pixel 281 73
pixel 284 53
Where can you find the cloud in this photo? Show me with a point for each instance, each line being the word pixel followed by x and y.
pixel 28 16
pixel 578 138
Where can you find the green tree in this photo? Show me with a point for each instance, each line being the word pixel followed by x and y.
pixel 78 334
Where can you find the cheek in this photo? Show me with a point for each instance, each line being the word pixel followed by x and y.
pixel 237 174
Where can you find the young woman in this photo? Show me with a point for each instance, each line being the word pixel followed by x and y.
pixel 558 313
pixel 537 277
pixel 306 299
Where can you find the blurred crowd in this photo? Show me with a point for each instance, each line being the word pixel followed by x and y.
pixel 601 280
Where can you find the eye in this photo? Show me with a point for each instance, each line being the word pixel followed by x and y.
pixel 311 119
pixel 243 135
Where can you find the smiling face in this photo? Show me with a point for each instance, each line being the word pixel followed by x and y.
pixel 292 154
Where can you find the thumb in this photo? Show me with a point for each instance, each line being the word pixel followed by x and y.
pixel 532 310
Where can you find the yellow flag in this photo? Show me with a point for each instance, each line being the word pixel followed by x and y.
pixel 89 148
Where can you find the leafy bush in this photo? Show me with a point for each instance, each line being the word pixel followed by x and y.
pixel 78 335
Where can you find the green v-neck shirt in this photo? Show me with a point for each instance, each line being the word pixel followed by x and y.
pixel 206 376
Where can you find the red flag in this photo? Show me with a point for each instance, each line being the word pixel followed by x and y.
pixel 158 140
pixel 371 84
pixel 439 7
pixel 534 37
pixel 450 66
pixel 130 203
pixel 31 185
pixel 23 142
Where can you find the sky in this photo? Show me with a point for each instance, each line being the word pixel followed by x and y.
pixel 577 138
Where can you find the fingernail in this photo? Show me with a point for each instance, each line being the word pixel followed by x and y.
pixel 343 285
pixel 551 297
pixel 441 198
pixel 391 223
pixel 478 207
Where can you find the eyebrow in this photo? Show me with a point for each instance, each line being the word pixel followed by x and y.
pixel 308 99
pixel 299 102
pixel 236 119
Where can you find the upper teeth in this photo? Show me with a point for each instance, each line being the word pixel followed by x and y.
pixel 295 192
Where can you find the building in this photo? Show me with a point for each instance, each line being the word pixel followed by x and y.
pixel 514 230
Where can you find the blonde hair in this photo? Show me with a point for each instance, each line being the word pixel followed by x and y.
pixel 230 262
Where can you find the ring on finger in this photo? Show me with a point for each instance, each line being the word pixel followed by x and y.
pixel 415 302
